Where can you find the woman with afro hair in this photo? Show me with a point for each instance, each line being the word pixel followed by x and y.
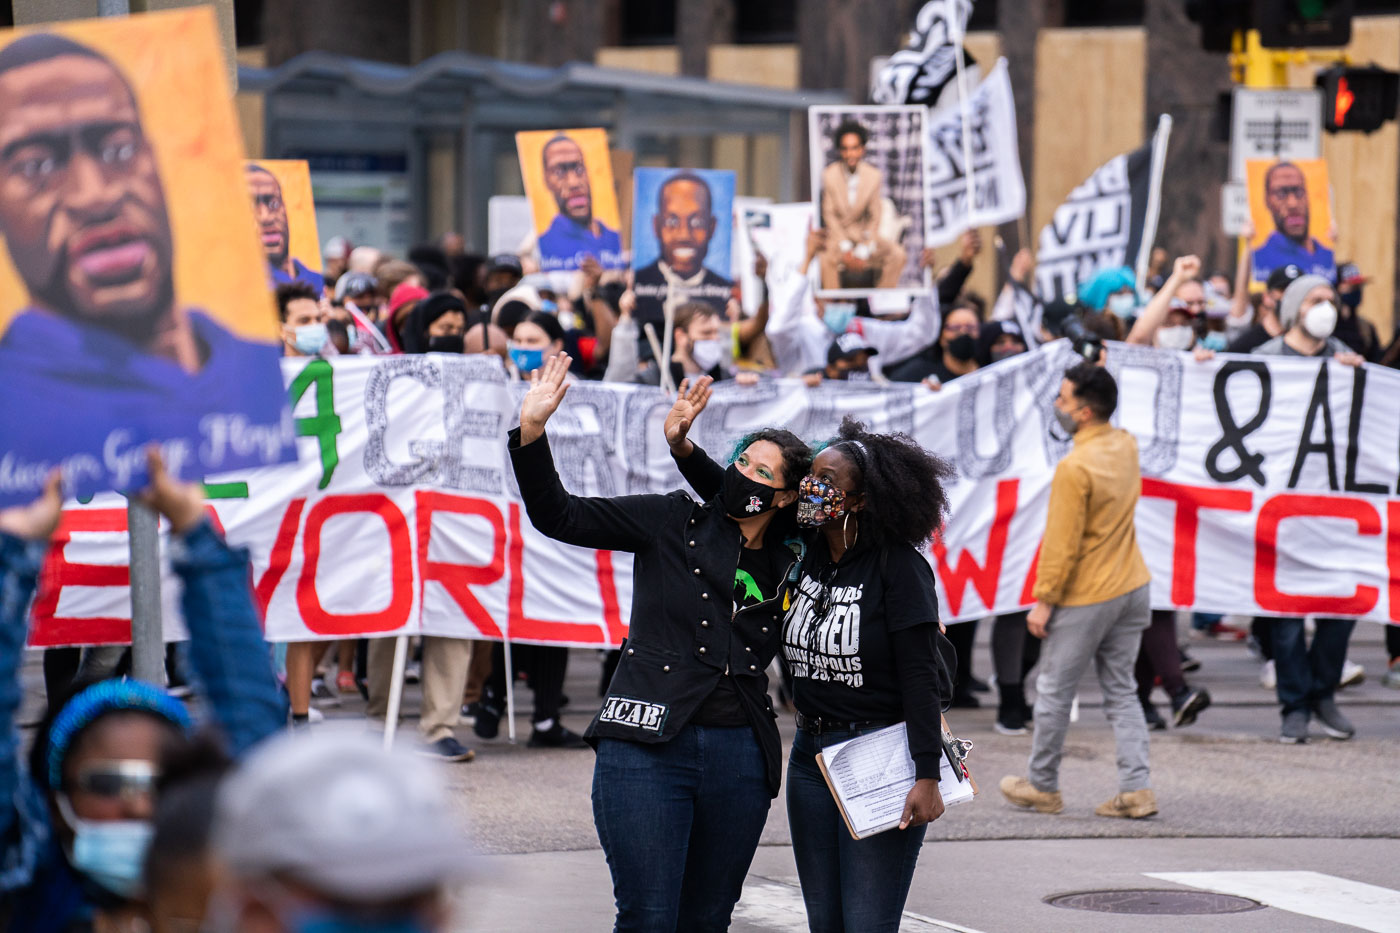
pixel 863 645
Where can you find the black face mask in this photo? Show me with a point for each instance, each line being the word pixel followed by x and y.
pixel 743 497
pixel 452 343
pixel 963 347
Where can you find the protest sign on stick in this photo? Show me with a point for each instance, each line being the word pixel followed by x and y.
pixel 147 320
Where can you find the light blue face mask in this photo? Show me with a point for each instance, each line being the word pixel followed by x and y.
pixel 110 852
pixel 311 338
pixel 1122 304
pixel 527 361
pixel 1214 340
pixel 838 316
pixel 548 307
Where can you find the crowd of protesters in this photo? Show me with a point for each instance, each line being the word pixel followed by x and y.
pixel 128 813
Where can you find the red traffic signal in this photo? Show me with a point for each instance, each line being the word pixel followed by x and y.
pixel 1357 99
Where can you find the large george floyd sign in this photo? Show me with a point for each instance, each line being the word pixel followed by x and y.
pixel 1270 486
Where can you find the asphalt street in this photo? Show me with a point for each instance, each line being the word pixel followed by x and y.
pixel 1240 814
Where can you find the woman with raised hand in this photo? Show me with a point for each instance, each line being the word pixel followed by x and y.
pixel 688 749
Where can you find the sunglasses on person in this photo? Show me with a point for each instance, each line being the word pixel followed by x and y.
pixel 121 779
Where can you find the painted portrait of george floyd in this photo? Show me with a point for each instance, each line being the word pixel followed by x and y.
pixel 280 191
pixel 682 231
pixel 568 179
pixel 134 306
pixel 1290 206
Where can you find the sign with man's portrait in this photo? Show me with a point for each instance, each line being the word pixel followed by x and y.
pixel 568 179
pixel 869 186
pixel 682 234
pixel 1290 206
pixel 285 211
pixel 134 306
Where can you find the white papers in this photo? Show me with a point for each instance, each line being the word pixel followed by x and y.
pixel 872 774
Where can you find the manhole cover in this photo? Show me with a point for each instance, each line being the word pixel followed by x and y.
pixel 1154 901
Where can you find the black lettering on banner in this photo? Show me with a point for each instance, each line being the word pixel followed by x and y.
pixel 581 436
pixel 381 469
pixel 971 464
pixel 643 412
pixel 1306 445
pixel 1232 434
pixel 462 422
pixel 1358 401
pixel 1160 455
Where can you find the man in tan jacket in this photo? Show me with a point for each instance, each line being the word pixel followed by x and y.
pixel 851 190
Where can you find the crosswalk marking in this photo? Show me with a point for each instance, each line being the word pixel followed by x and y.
pixel 777 907
pixel 1311 893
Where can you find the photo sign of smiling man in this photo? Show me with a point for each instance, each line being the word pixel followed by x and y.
pixel 682 230
pixel 133 293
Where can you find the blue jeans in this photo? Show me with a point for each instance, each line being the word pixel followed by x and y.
pixel 679 822
pixel 1308 674
pixel 849 885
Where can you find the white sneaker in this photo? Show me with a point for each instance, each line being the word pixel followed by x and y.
pixel 1352 674
pixel 1268 677
pixel 314 715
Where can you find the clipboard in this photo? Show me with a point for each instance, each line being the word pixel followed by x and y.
pixel 870 776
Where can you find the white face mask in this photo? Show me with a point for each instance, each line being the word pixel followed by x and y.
pixel 707 353
pixel 1180 337
pixel 1122 304
pixel 1321 320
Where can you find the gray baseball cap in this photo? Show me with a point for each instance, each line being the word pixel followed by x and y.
pixel 335 812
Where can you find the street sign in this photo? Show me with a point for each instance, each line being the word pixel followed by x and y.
pixel 1234 208
pixel 1274 124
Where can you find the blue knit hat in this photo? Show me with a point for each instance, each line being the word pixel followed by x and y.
pixel 108 696
pixel 1105 282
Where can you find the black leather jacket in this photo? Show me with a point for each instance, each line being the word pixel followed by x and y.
pixel 684 633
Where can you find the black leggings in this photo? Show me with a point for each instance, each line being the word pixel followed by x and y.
pixel 1392 641
pixel 1014 649
pixel 543 664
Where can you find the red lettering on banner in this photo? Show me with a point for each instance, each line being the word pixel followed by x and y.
pixel 458 579
pixel 1189 501
pixel 1392 554
pixel 1266 591
pixel 607 588
pixel 393 616
pixel 49 630
pixel 522 627
pixel 281 557
pixel 983 577
pixel 1028 588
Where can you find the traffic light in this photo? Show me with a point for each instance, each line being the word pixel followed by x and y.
pixel 1358 99
pixel 1292 24
pixel 1219 19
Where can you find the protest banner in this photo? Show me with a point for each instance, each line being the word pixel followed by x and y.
pixel 1269 488
pixel 569 181
pixel 869 185
pixel 1109 220
pixel 145 320
pixel 285 210
pixel 748 213
pixel 682 228
pixel 1000 190
pixel 1290 206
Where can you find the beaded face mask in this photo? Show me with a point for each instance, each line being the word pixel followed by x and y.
pixel 818 502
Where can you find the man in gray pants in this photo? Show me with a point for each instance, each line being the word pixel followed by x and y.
pixel 1091 595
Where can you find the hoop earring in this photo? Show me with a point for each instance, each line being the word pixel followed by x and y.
pixel 844 522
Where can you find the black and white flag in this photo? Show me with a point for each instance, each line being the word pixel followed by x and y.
pixel 989 119
pixel 918 73
pixel 1109 220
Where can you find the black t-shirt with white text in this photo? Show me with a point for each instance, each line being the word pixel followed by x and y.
pixel 837 633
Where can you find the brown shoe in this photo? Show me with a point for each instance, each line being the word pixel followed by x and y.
pixel 1023 793
pixel 1132 804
